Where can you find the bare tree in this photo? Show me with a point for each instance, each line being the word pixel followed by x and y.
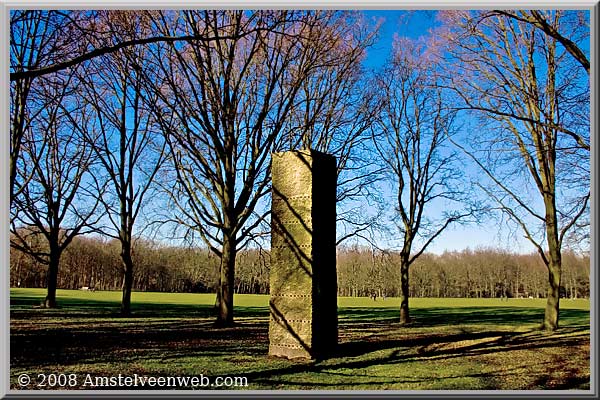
pixel 58 196
pixel 233 101
pixel 122 135
pixel 226 102
pixel 411 137
pixel 533 101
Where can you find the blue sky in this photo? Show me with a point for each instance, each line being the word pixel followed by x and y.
pixel 407 23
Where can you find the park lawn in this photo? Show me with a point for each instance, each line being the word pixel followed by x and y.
pixel 467 344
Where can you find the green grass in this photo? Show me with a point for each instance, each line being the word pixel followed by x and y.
pixel 452 344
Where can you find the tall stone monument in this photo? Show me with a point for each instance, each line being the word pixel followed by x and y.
pixel 303 281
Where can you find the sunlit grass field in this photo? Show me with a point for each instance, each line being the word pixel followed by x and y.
pixel 462 344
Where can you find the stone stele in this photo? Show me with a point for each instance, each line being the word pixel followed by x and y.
pixel 303 280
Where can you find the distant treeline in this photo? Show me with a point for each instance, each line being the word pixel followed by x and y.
pixel 95 263
pixel 468 273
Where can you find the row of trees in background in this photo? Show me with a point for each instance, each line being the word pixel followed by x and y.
pixel 362 272
pixel 481 273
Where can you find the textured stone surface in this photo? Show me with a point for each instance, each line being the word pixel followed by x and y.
pixel 303 280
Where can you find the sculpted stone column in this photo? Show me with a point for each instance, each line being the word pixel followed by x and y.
pixel 303 281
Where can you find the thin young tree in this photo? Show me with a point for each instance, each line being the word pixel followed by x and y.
pixel 532 98
pixel 411 136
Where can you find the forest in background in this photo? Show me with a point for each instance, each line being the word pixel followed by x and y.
pixel 480 273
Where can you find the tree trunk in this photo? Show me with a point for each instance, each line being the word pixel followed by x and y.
pixel 52 279
pixel 554 269
pixel 553 298
pixel 404 291
pixel 226 283
pixel 127 285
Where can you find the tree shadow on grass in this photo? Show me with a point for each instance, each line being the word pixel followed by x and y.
pixel 438 316
pixel 357 355
pixel 107 341
pixel 375 382
pixel 24 307
pixel 85 332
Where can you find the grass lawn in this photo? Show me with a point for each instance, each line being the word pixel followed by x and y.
pixel 467 344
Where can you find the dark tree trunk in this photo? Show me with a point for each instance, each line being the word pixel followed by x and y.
pixel 404 290
pixel 127 285
pixel 553 298
pixel 226 283
pixel 52 279
pixel 553 295
pixel 554 267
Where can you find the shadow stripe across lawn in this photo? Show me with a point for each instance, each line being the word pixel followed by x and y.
pixel 451 344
